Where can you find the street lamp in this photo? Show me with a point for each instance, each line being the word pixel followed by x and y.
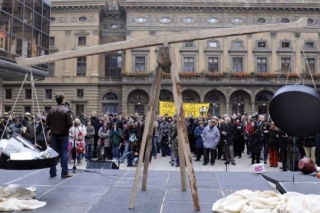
pixel 264 104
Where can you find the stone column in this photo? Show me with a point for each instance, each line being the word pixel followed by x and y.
pixel 225 64
pixel 95 58
pixel 297 66
pixel 68 64
pixel 227 107
pixel 274 61
pixel 252 104
pixel 250 58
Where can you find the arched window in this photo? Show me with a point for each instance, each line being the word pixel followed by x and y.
pixel 110 96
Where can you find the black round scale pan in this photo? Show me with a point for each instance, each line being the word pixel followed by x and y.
pixel 6 163
pixel 295 109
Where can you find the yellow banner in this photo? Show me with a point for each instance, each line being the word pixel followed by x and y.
pixel 195 109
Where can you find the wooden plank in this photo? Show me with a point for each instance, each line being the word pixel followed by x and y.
pixel 138 170
pixel 161 39
pixel 182 128
pixel 154 98
pixel 182 163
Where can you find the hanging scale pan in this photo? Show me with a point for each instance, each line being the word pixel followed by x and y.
pixel 295 109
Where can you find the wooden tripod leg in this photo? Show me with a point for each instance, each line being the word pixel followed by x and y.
pixel 138 170
pixel 182 162
pixel 155 90
pixel 147 137
pixel 177 96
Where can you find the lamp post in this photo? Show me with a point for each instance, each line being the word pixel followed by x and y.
pixel 238 107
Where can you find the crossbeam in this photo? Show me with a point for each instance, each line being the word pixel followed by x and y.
pixel 161 39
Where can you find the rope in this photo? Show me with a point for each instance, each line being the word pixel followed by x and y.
pixel 37 102
pixel 10 116
pixel 293 53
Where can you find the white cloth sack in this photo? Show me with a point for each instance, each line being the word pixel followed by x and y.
pixel 16 198
pixel 246 201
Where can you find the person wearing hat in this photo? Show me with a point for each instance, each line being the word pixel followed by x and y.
pixel 25 119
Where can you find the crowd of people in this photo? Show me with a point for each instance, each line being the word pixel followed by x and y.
pixel 116 137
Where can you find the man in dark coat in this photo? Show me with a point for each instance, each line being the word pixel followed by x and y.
pixel 227 133
pixel 96 125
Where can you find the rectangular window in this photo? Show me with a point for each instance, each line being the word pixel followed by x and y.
pixel 188 64
pixel 27 109
pixel 52 42
pixel 28 94
pixel 79 93
pixel 51 69
pixel 285 64
pixel 261 44
pixel 7 108
pixel 262 65
pixel 312 65
pixel 82 41
pixel 213 44
pixel 113 65
pixel 285 44
pixel 79 109
pixel 48 94
pixel 309 45
pixel 8 93
pixel 140 64
pixel 47 108
pixel 213 64
pixel 81 66
pixel 237 64
pixel 188 44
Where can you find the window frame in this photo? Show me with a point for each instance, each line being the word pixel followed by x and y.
pixel 135 64
pixel 257 64
pixel 52 41
pixel 112 69
pixel 289 66
pixel 83 69
pixel 188 63
pixel 80 93
pixel 314 66
pixel 218 63
pixel 8 96
pixel 48 94
pixel 242 63
pixel 82 41
pixel 28 94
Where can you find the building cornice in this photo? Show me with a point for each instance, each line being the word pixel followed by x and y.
pixel 78 5
pixel 218 5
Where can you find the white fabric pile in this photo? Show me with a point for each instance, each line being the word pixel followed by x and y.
pixel 15 198
pixel 246 201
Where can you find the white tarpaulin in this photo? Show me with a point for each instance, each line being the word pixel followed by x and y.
pixel 246 201
pixel 16 198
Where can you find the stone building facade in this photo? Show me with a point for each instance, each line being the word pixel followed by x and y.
pixel 234 74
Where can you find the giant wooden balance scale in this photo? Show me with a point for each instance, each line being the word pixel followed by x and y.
pixel 166 61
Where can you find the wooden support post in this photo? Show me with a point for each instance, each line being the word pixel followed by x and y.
pixel 155 93
pixel 177 96
pixel 141 154
pixel 182 161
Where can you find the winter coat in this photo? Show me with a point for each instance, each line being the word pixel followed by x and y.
pixel 273 139
pixel 155 128
pixel 116 137
pixel 254 138
pixel 89 139
pixel 75 130
pixel 163 131
pixel 283 141
pixel 210 137
pixel 173 130
pixel 104 135
pixel 197 134
pixel 227 132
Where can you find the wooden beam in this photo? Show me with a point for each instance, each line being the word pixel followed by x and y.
pixel 182 162
pixel 160 39
pixel 182 128
pixel 155 93
pixel 141 154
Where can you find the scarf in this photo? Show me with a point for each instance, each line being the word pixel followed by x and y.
pixel 104 130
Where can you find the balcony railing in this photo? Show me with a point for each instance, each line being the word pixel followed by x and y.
pixel 204 80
